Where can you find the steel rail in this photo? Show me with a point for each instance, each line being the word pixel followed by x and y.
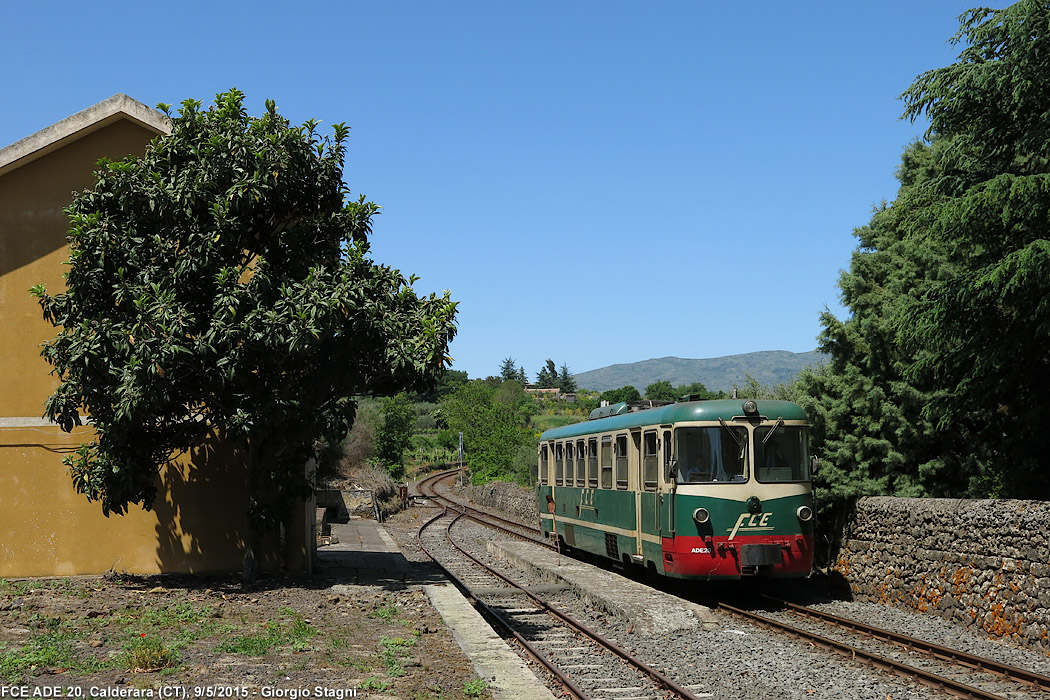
pixel 640 665
pixel 979 663
pixel 497 522
pixel 655 675
pixel 927 677
pixel 535 653
pixel 483 516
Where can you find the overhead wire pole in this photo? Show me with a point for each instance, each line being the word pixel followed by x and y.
pixel 462 471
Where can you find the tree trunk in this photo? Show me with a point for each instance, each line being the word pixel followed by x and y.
pixel 252 539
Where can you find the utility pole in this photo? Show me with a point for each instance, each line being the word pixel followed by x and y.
pixel 462 475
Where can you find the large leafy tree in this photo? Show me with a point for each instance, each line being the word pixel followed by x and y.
pixel 624 393
pixel 985 329
pixel 492 421
pixel 866 407
pixel 661 390
pixel 221 283
pixel 394 435
pixel 936 381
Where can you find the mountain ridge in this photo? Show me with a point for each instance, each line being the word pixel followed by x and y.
pixel 768 367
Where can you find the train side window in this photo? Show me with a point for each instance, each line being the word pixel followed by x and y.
pixel 570 464
pixel 544 464
pixel 620 450
pixel 559 464
pixel 607 462
pixel 650 461
pixel 592 462
pixel 581 463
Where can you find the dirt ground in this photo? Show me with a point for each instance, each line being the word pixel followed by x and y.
pixel 208 637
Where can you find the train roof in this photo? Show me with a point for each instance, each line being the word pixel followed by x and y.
pixel 625 418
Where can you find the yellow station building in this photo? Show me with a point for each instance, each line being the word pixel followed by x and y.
pixel 46 527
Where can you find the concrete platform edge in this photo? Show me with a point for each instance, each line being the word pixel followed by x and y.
pixel 507 675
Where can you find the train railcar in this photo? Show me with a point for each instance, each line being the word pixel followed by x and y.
pixel 710 490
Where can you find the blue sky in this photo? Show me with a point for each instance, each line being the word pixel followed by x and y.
pixel 596 182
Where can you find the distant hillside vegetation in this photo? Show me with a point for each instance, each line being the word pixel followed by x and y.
pixel 769 367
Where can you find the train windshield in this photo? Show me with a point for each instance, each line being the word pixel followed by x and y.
pixel 782 453
pixel 710 455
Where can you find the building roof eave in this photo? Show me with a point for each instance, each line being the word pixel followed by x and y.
pixel 84 122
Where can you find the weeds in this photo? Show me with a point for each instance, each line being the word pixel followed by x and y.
pixel 129 628
pixel 373 683
pixel 474 688
pixel 254 644
pixel 392 651
pixel 296 635
pixel 51 649
pixel 436 693
pixel 148 654
pixel 19 587
pixel 387 613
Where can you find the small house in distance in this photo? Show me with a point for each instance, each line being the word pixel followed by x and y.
pixel 198 523
pixel 554 393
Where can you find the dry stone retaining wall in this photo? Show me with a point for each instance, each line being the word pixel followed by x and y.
pixel 983 563
pixel 512 500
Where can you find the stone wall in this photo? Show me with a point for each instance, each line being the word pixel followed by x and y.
pixel 345 504
pixel 510 500
pixel 983 563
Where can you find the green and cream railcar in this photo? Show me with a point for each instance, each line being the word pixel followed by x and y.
pixel 697 490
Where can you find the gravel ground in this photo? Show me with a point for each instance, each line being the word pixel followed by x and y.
pixel 939 631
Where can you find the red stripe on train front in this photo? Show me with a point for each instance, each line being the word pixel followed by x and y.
pixel 720 556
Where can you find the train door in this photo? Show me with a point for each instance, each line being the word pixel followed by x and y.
pixel 647 459
pixel 666 486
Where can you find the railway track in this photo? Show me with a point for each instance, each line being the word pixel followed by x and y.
pixel 585 663
pixel 434 488
pixel 951 671
pixel 956 672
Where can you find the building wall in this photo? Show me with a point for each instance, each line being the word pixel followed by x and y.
pixel 981 563
pixel 197 524
pixel 46 527
pixel 33 247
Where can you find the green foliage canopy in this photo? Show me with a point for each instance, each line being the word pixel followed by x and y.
pixel 566 382
pixel 985 329
pixel 936 386
pixel 661 390
pixel 222 283
pixel 508 370
pixel 394 434
pixel 625 393
pixel 493 425
pixel 547 378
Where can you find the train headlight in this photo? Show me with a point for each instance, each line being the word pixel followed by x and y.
pixel 750 407
pixel 701 516
pixel 804 513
